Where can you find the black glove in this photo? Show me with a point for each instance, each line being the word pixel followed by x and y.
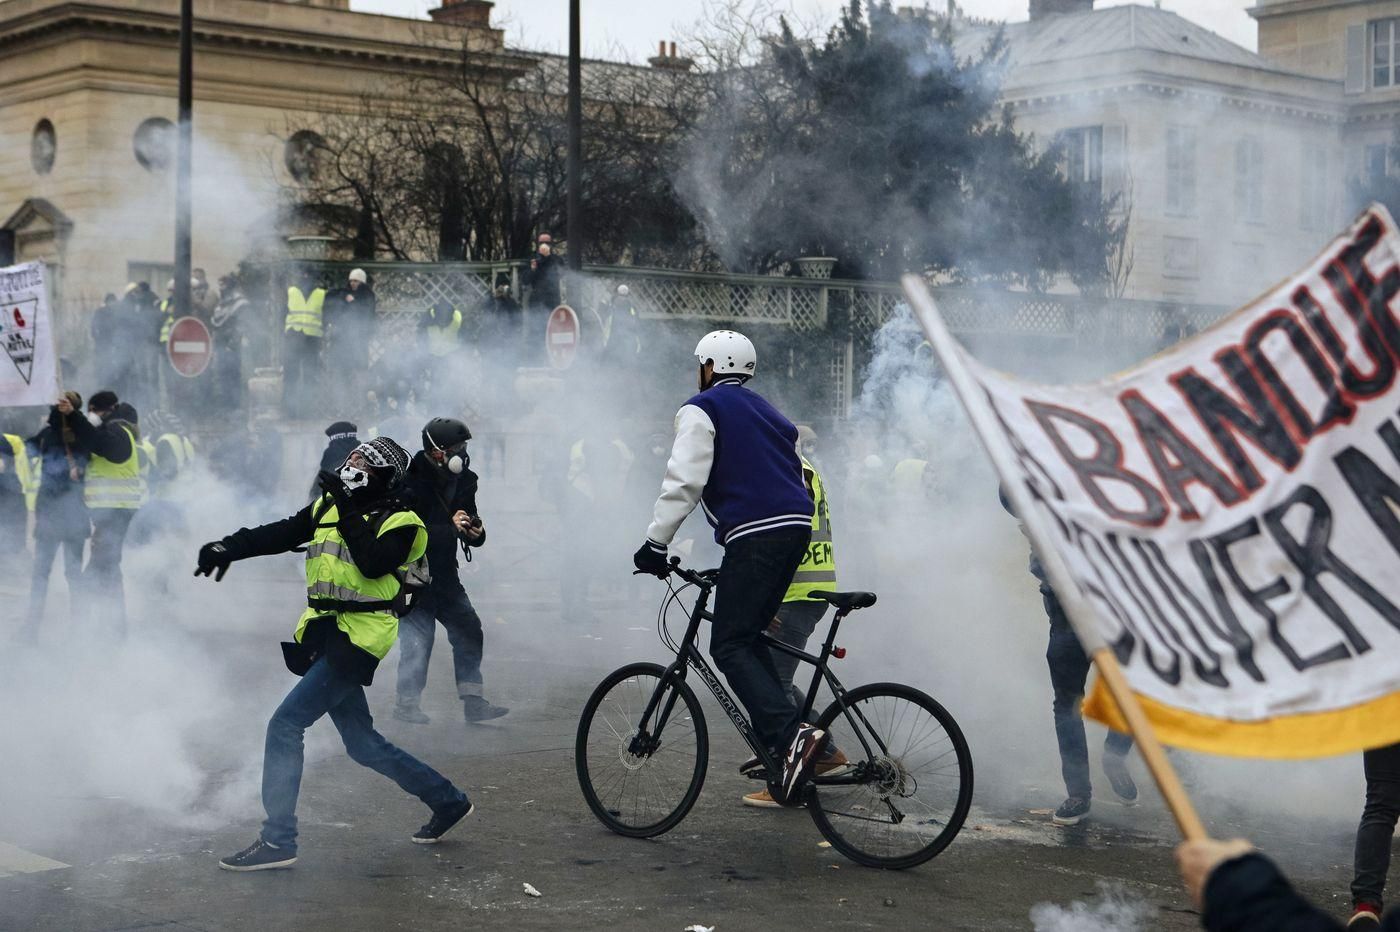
pixel 651 558
pixel 214 556
pixel 331 484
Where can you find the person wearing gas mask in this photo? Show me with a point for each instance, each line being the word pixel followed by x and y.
pixel 363 543
pixel 113 490
pixel 443 491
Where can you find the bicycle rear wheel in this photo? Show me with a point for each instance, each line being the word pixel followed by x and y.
pixel 906 797
pixel 639 777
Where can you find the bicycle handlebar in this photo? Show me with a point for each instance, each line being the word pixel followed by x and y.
pixel 703 578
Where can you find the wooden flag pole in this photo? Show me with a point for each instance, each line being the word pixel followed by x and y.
pixel 1163 773
pixel 984 422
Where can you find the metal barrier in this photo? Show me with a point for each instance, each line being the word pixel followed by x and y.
pixel 844 315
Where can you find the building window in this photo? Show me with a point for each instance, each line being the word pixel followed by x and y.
pixel 43 146
pixel 1249 179
pixel 1181 169
pixel 1083 160
pixel 154 274
pixel 1376 159
pixel 1385 53
pixel 154 144
pixel 303 154
pixel 1314 193
pixel 1181 257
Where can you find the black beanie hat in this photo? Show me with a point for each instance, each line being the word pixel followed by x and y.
pixel 104 400
pixel 341 428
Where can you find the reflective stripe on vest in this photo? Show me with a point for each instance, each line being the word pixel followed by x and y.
pixel 115 485
pixel 25 472
pixel 331 575
pixel 443 340
pixel 167 307
pixel 818 567
pixel 304 311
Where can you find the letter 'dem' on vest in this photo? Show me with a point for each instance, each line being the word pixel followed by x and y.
pixel 818 567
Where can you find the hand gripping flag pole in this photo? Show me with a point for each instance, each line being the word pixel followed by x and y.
pixel 994 441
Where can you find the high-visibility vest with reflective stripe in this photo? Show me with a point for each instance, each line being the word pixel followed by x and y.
pixel 147 455
pixel 167 307
pixel 304 311
pixel 25 472
pixel 818 567
pixel 115 485
pixel 331 574
pixel 443 340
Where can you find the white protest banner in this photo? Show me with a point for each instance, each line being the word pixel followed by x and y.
pixel 1225 517
pixel 29 372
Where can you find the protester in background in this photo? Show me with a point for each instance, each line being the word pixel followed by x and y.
pixel 342 438
pixel 111 352
pixel 592 500
pixel 443 492
pixel 350 326
pixel 142 325
pixel 1376 833
pixel 360 537
pixel 113 490
pixel 302 337
pixel 799 615
pixel 439 336
pixel 203 299
pixel 1237 889
pixel 226 326
pixel 617 340
pixel 1069 671
pixel 498 340
pixel 60 517
pixel 15 477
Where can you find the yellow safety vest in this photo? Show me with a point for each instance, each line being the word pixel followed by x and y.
pixel 115 485
pixel 909 478
pixel 25 472
pixel 443 340
pixel 334 584
pixel 304 311
pixel 177 445
pixel 167 307
pixel 818 567
pixel 148 455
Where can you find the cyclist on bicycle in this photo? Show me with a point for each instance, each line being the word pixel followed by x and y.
pixel 735 454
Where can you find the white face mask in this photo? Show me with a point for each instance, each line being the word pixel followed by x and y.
pixel 353 477
pixel 94 419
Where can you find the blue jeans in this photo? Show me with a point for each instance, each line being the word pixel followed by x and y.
pixel 1069 671
pixel 320 691
pixel 450 606
pixel 753 578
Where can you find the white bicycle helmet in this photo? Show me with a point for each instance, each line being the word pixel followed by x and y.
pixel 732 352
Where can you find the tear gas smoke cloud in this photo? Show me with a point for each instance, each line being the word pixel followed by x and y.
pixel 1113 910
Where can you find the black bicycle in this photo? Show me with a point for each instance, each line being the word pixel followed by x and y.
pixel 643 747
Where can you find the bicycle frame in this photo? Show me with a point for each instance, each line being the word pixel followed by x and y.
pixel 688 655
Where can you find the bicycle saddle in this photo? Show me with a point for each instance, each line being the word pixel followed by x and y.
pixel 845 601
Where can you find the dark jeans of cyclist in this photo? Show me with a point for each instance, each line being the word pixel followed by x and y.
pixel 753 578
pixel 1377 828
pixel 1069 671
pixel 449 605
pixel 796 622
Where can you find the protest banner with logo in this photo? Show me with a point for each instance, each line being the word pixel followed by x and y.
pixel 1223 519
pixel 29 372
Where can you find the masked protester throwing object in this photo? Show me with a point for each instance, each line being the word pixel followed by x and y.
pixel 362 542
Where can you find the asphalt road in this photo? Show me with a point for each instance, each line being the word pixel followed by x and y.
pixel 90 850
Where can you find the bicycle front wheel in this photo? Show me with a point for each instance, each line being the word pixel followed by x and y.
pixel 909 787
pixel 641 751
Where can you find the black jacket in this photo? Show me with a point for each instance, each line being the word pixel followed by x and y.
pixel 58 508
pixel 374 555
pixel 1250 894
pixel 544 282
pixel 437 495
pixel 110 441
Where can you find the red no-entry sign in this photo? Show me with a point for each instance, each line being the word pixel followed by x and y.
pixel 190 347
pixel 561 337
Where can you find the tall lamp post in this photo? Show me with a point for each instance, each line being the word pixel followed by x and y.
pixel 183 209
pixel 575 159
